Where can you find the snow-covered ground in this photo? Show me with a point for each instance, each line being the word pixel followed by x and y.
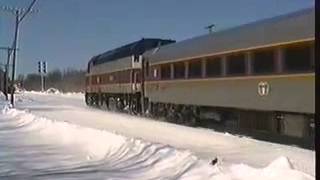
pixel 55 136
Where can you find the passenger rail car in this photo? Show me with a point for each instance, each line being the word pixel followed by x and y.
pixel 257 78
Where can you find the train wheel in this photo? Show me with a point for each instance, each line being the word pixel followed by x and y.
pixel 88 99
pixel 120 104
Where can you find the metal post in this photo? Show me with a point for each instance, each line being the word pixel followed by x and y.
pixel 44 82
pixel 41 81
pixel 15 45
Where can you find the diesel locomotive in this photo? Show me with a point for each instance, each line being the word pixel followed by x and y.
pixel 257 77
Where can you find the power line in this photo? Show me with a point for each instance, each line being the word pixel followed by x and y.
pixel 21 11
pixel 28 10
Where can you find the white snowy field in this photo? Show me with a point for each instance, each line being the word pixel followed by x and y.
pixel 56 136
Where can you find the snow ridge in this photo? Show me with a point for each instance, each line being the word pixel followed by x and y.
pixel 117 155
pixel 86 153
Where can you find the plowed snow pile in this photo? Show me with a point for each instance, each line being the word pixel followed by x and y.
pixel 34 147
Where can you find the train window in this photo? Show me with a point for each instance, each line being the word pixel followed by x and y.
pixel 165 71
pixel 213 67
pixel 263 61
pixel 195 69
pixel 297 58
pixel 236 64
pixel 179 70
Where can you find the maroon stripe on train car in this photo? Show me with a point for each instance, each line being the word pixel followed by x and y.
pixel 113 77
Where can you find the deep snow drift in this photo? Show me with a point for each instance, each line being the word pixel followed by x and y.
pixel 35 147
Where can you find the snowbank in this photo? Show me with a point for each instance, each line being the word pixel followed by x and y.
pixel 57 92
pixel 132 158
pixel 280 168
pixel 119 156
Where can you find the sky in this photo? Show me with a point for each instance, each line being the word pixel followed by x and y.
pixel 67 33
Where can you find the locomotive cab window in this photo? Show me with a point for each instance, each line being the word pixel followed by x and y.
pixel 165 71
pixel 263 61
pixel 298 58
pixel 179 70
pixel 213 67
pixel 236 64
pixel 195 69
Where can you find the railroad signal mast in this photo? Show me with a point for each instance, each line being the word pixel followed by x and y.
pixel 42 70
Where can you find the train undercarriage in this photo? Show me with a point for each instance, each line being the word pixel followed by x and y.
pixel 281 127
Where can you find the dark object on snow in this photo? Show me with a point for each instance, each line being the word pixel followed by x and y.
pixel 214 161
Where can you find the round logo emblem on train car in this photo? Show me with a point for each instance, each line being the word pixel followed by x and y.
pixel 263 88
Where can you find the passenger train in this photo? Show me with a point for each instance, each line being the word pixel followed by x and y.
pixel 255 78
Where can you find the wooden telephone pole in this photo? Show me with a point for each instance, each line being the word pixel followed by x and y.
pixel 6 71
pixel 20 14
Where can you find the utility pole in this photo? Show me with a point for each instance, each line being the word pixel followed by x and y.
pixel 6 72
pixel 15 44
pixel 20 14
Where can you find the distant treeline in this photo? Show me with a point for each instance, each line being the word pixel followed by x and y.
pixel 69 80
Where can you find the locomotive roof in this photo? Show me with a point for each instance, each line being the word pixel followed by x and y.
pixel 290 27
pixel 137 47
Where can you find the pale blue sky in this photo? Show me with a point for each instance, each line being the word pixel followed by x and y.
pixel 66 33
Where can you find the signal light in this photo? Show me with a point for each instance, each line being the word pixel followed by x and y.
pixel 39 67
pixel 44 65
